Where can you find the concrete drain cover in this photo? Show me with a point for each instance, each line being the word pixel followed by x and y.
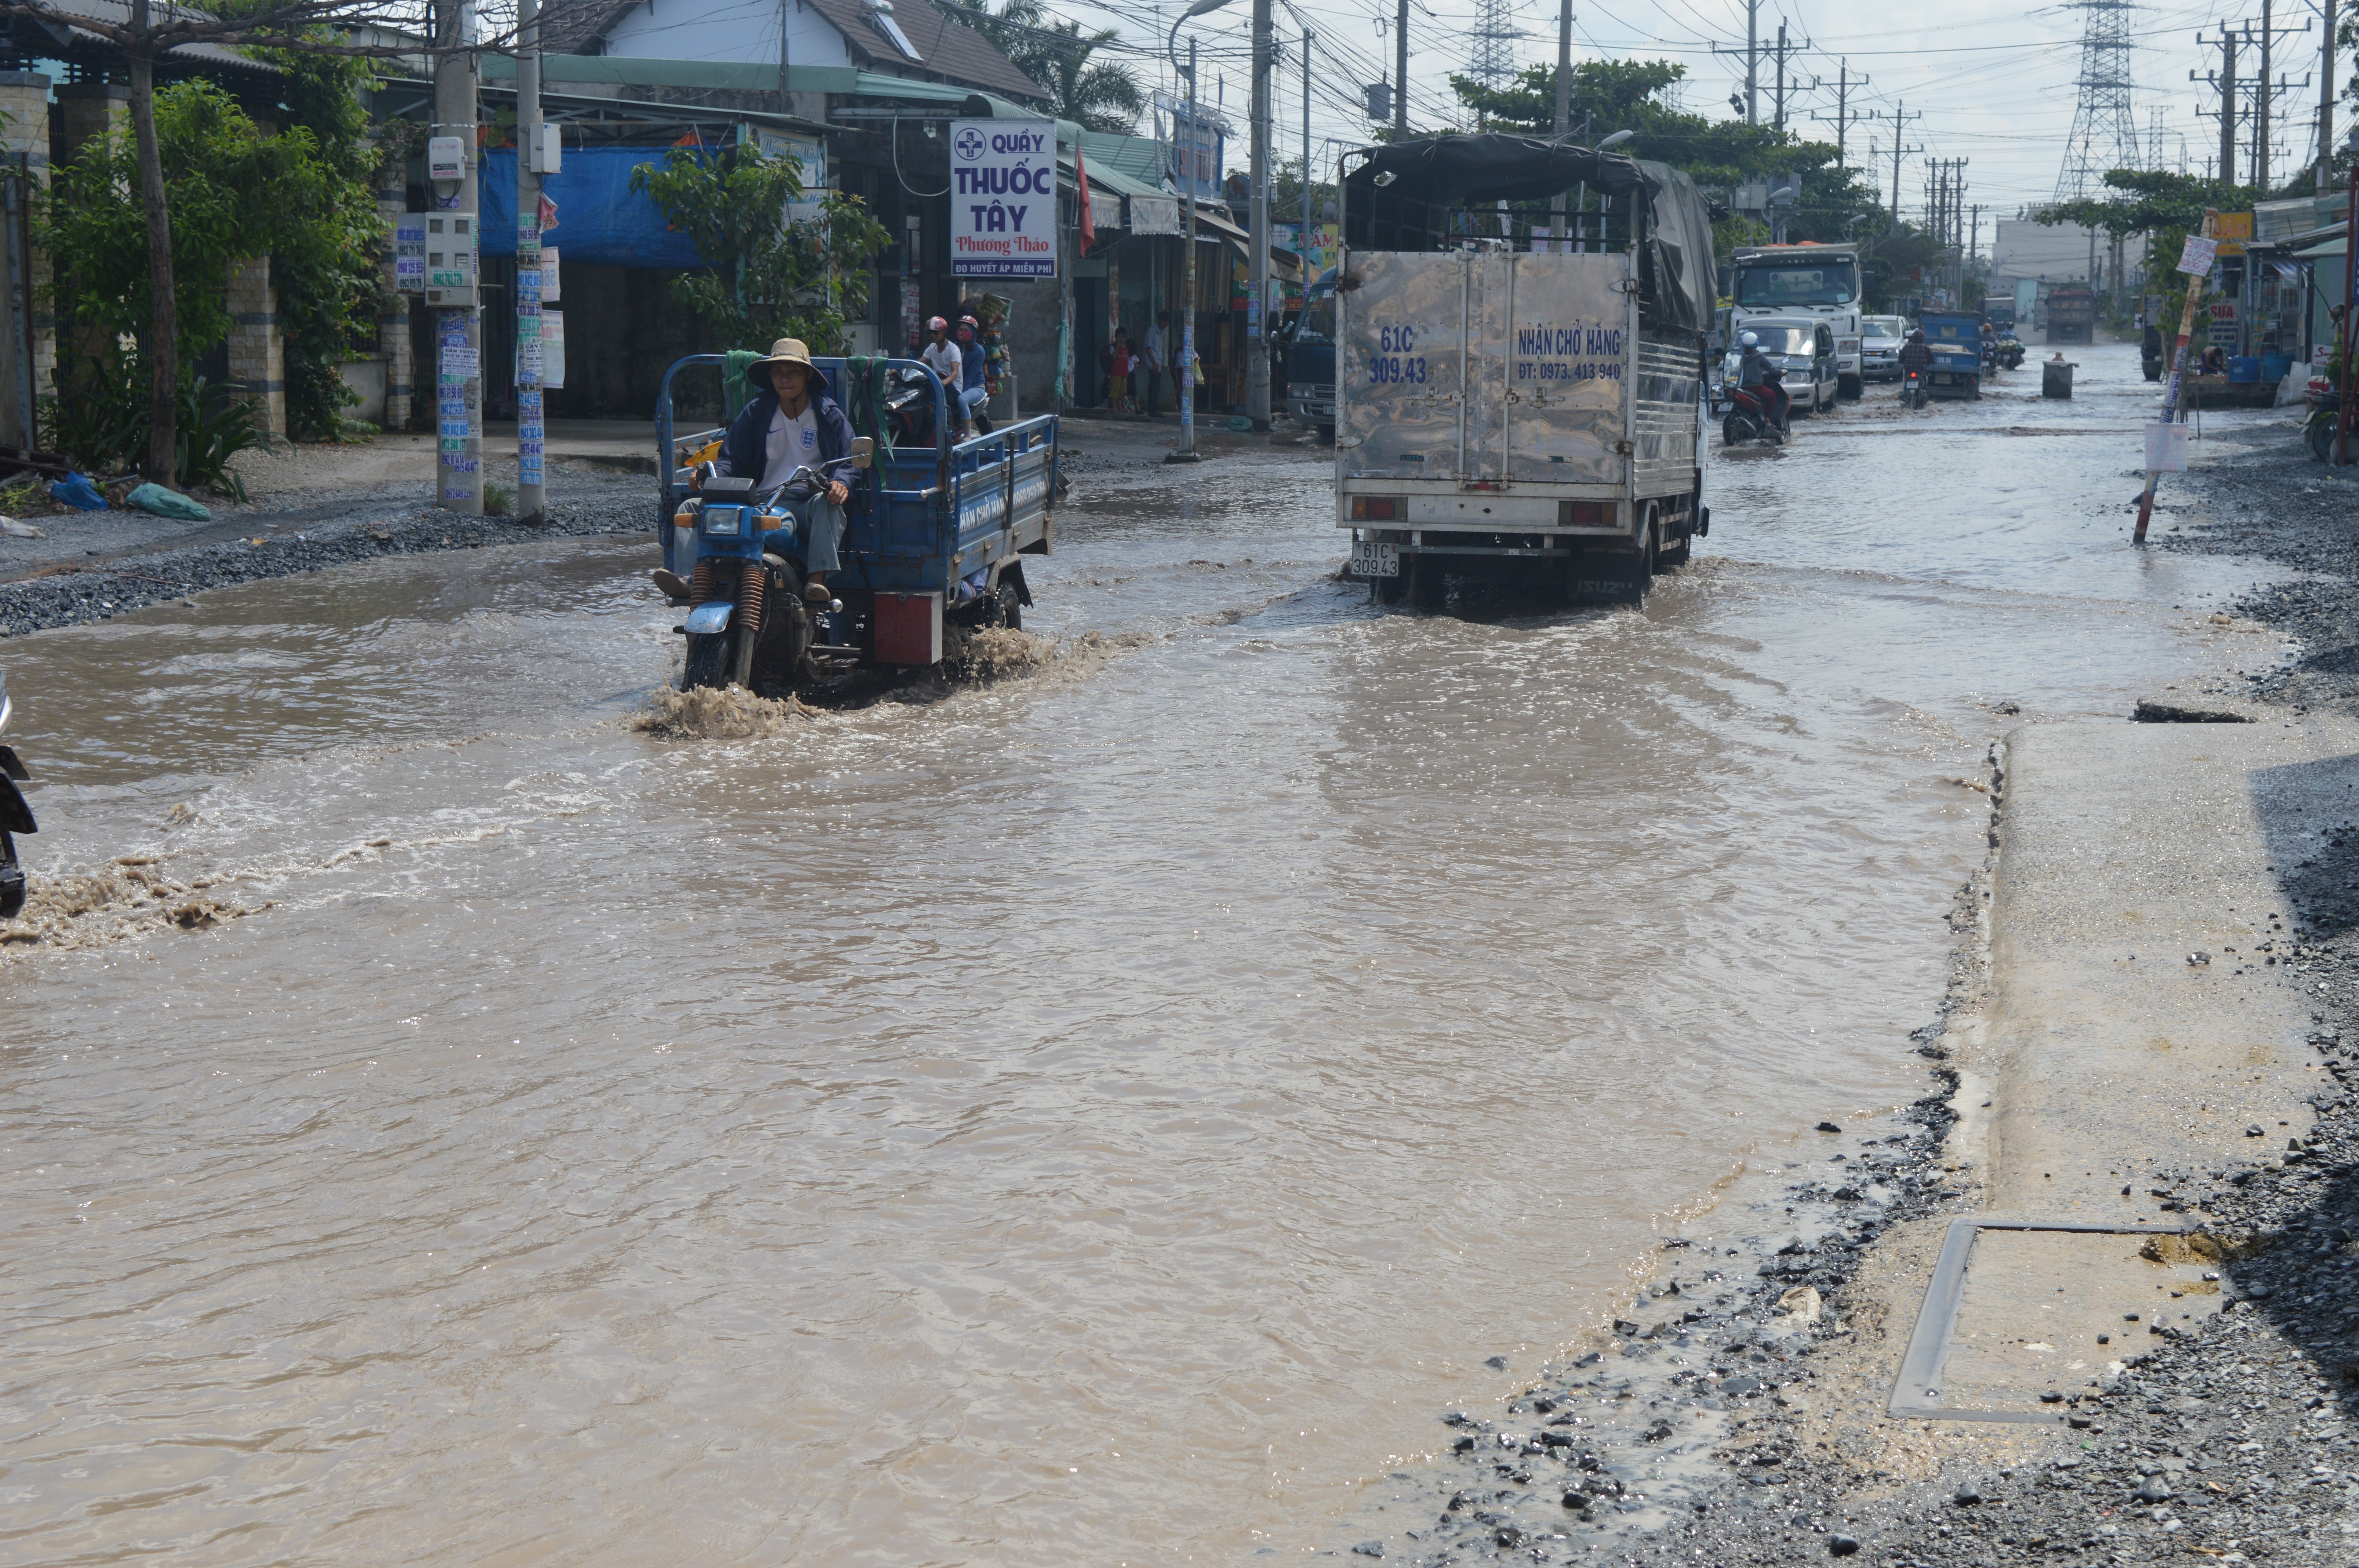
pixel 2018 1308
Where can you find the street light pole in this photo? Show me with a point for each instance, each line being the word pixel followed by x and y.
pixel 1186 366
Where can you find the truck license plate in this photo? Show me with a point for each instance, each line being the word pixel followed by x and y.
pixel 1375 560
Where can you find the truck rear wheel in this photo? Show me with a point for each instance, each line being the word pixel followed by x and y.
pixel 1390 590
pixel 1427 590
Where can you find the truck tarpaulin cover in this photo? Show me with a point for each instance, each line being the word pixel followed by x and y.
pixel 1436 176
pixel 602 222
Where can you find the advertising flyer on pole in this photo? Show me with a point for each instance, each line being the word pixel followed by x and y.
pixel 1003 199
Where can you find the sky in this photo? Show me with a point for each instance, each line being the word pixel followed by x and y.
pixel 1994 84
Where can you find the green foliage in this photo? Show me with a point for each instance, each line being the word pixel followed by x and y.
pixel 768 278
pixel 236 192
pixel 499 500
pixel 103 419
pixel 1101 94
pixel 1838 203
pixel 326 274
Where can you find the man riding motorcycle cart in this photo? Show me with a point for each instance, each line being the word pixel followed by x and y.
pixel 790 422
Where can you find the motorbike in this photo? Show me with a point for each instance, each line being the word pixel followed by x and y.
pixel 2325 419
pixel 2150 362
pixel 15 817
pixel 1751 418
pixel 747 623
pixel 1912 389
pixel 2010 352
pixel 909 407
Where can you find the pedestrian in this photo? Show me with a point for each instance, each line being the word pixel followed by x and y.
pixel 942 357
pixel 1118 371
pixel 1157 356
pixel 972 391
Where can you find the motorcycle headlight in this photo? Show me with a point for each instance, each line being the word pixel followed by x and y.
pixel 724 520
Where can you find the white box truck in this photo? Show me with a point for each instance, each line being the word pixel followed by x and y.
pixel 1804 279
pixel 1508 407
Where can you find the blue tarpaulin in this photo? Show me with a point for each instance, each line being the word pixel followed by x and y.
pixel 600 221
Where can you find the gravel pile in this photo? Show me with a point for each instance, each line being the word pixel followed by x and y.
pixel 77 595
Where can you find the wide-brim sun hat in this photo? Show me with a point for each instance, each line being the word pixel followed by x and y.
pixel 784 351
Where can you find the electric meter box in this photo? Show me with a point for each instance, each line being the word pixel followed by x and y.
pixel 446 159
pixel 549 156
pixel 451 240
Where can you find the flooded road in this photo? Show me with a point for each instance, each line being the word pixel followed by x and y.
pixel 1096 1118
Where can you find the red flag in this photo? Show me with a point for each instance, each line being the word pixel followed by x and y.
pixel 1081 181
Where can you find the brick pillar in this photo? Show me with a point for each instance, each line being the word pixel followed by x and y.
pixel 25 103
pixel 393 316
pixel 82 113
pixel 257 357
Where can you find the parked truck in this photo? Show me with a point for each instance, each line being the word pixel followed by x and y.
pixel 1806 279
pixel 2072 315
pixel 1507 407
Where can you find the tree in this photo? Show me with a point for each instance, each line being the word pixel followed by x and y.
pixel 234 192
pixel 1610 96
pixel 1100 95
pixel 2164 207
pixel 770 276
pixel 146 36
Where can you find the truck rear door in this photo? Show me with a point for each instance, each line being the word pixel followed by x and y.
pixel 1487 368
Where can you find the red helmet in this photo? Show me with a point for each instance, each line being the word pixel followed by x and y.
pixel 938 325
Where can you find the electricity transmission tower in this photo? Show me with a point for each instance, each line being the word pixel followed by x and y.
pixel 2105 128
pixel 1494 35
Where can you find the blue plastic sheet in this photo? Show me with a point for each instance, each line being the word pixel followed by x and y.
pixel 76 491
pixel 600 221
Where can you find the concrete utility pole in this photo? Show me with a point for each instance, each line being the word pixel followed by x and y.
pixel 2326 104
pixel 1844 119
pixel 1400 70
pixel 1563 110
pixel 1751 53
pixel 2227 105
pixel 1781 76
pixel 531 504
pixel 459 396
pixel 2261 114
pixel 1308 278
pixel 1900 118
pixel 1187 363
pixel 1257 269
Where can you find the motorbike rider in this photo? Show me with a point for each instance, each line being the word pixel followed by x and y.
pixel 1755 372
pixel 1915 355
pixel 2152 346
pixel 791 422
pixel 972 393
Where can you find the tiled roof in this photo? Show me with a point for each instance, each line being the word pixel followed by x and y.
pixel 947 49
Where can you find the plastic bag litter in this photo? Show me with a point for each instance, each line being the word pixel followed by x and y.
pixel 1240 422
pixel 165 502
pixel 76 491
pixel 16 530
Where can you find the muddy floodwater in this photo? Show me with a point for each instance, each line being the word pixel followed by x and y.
pixel 1102 1115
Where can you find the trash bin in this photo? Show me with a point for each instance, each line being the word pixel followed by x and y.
pixel 2273 367
pixel 2244 370
pixel 2055 378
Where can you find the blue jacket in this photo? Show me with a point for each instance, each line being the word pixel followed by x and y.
pixel 744 450
pixel 972 355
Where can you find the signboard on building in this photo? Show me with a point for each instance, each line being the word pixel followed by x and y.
pixel 1199 146
pixel 1003 199
pixel 812 153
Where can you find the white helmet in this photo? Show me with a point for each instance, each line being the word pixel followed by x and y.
pixel 1748 340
